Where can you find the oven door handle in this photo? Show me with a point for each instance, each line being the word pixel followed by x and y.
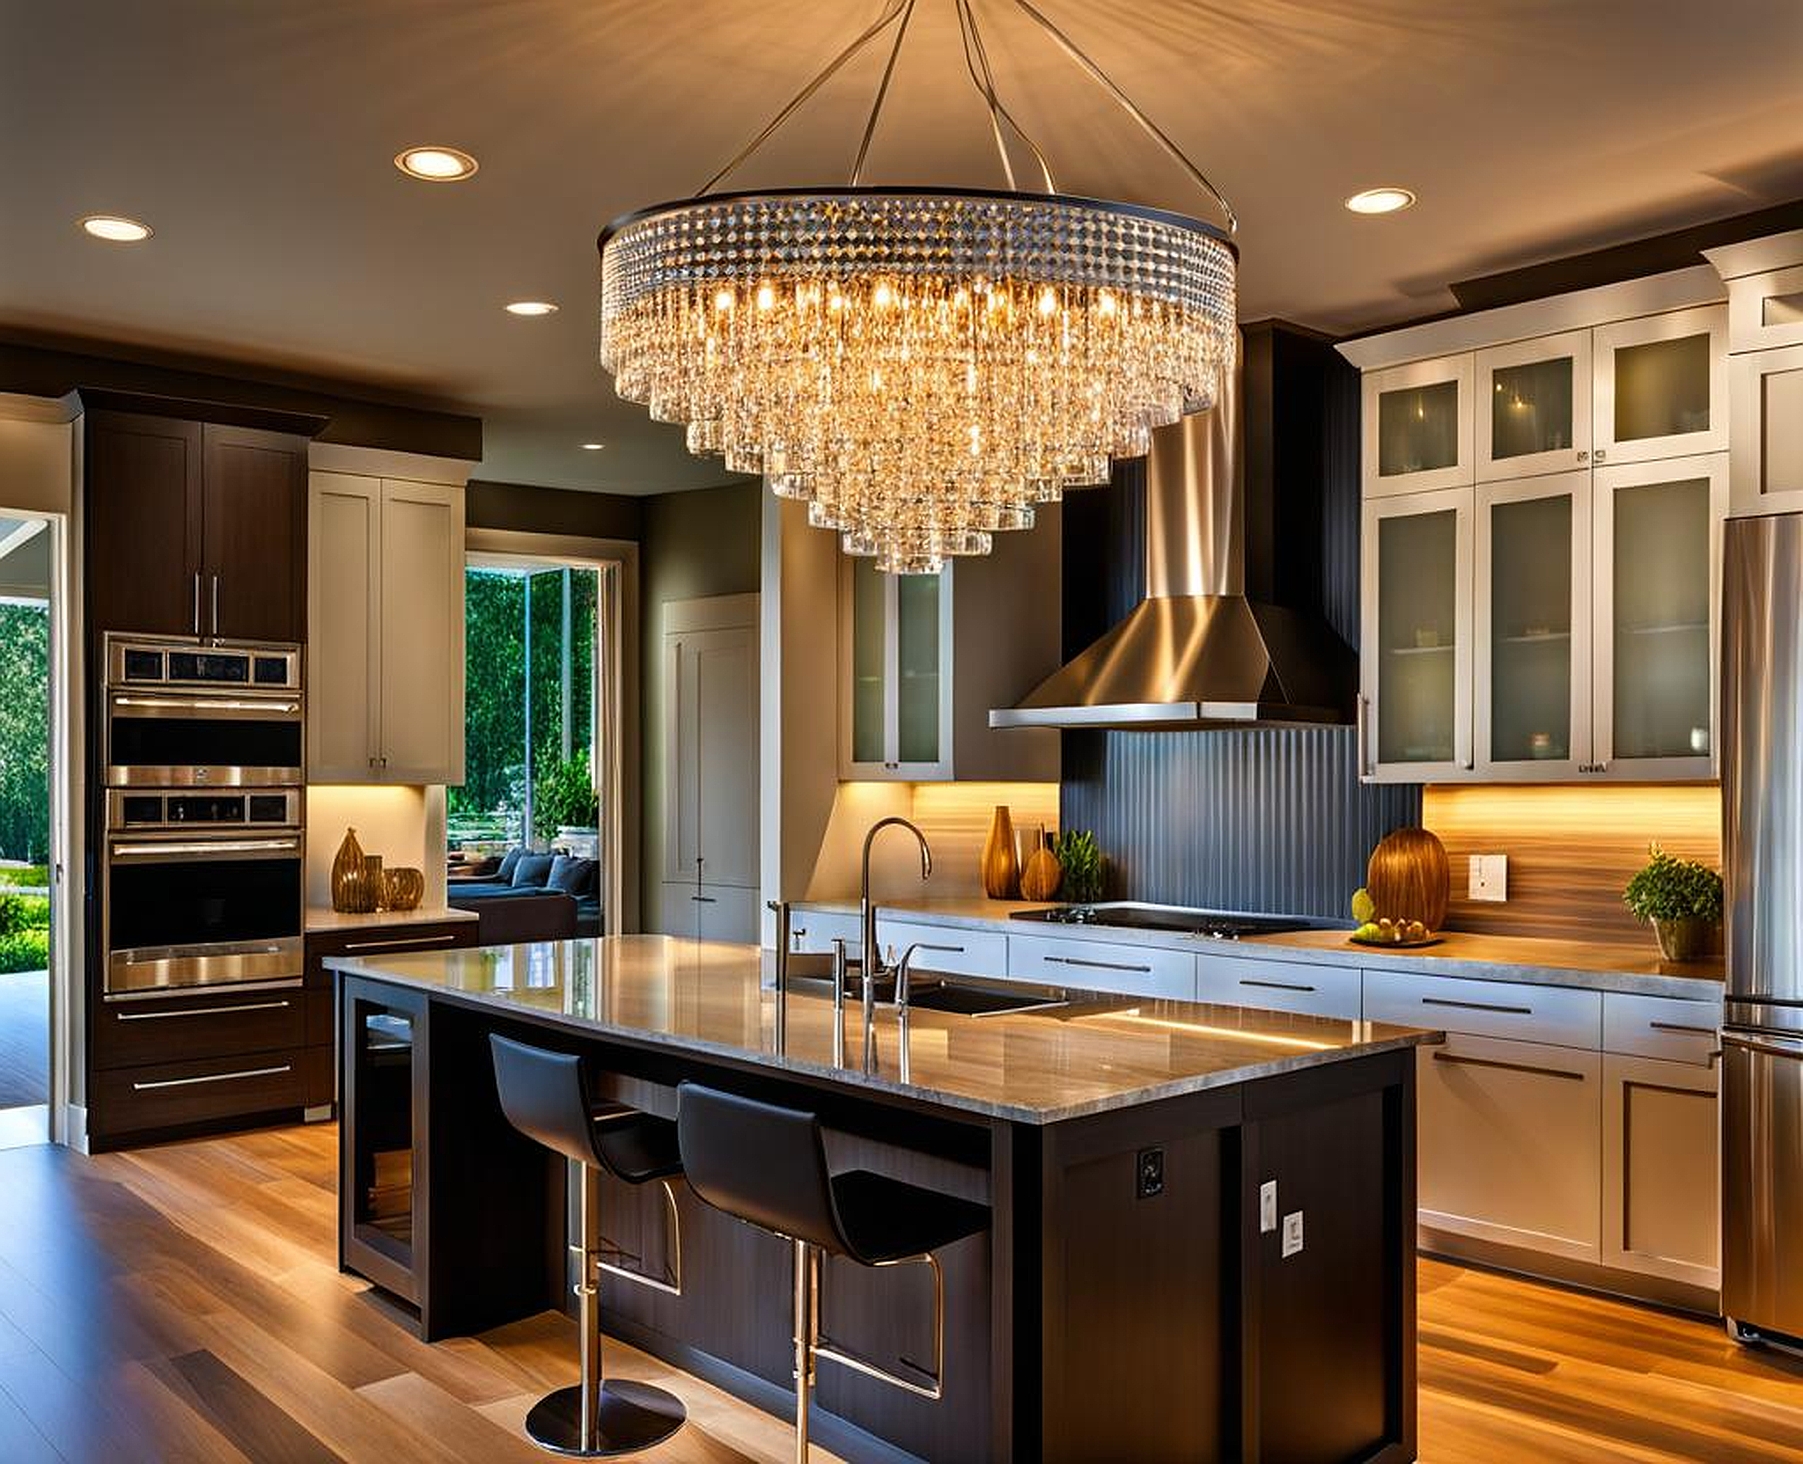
pixel 205 704
pixel 151 851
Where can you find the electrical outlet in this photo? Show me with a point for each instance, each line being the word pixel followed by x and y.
pixel 1292 1234
pixel 1150 1169
pixel 1489 877
pixel 1267 1207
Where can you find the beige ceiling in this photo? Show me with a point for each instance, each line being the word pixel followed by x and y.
pixel 255 135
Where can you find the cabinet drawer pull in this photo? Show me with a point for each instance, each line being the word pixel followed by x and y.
pixel 1477 1006
pixel 268 1072
pixel 1096 965
pixel 1511 1067
pixel 395 945
pixel 218 1011
pixel 1681 1027
pixel 703 900
pixel 1274 985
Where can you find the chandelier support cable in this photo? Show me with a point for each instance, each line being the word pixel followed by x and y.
pixel 972 36
pixel 1127 105
pixel 891 12
pixel 882 91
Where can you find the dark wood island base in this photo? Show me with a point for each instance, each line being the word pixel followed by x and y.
pixel 1133 1300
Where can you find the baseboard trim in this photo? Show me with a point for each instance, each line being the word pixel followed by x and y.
pixel 1577 1275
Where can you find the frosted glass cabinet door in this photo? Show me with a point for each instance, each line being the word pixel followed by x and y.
pixel 1532 404
pixel 1415 704
pixel 1533 628
pixel 1417 427
pixel 1658 527
pixel 869 671
pixel 1661 386
pixel 917 687
pixel 894 658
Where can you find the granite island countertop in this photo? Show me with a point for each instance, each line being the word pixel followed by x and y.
pixel 1592 965
pixel 1091 1055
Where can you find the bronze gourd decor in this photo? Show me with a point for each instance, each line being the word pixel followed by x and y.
pixel 1041 875
pixel 1409 877
pixel 403 889
pixel 351 894
pixel 1001 870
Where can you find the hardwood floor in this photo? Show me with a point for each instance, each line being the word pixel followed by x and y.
pixel 184 1303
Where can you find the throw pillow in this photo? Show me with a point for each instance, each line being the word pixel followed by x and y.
pixel 509 862
pixel 574 876
pixel 530 872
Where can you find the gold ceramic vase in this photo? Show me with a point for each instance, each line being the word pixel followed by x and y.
pixel 1040 873
pixel 351 894
pixel 1001 870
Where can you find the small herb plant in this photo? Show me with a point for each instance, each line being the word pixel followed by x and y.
pixel 1670 888
pixel 564 796
pixel 1082 861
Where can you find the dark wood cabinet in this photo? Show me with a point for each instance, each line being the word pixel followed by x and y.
pixel 195 528
pixel 254 534
pixel 142 481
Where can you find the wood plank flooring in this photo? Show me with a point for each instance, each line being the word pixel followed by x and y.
pixel 184 1303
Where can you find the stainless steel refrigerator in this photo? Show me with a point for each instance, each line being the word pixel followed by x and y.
pixel 1762 830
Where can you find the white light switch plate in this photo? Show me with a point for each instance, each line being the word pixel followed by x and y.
pixel 1267 1207
pixel 1489 878
pixel 1292 1234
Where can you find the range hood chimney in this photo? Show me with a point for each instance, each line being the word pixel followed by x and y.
pixel 1196 651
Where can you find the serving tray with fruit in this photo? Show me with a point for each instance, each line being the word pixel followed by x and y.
pixel 1375 930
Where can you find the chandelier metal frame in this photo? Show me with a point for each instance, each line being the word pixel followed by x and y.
pixel 766 322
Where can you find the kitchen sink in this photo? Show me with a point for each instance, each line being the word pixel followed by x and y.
pixel 978 1001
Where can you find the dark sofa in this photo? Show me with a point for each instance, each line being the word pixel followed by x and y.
pixel 531 897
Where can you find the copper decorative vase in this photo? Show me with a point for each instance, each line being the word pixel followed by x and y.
pixel 403 889
pixel 351 894
pixel 1409 877
pixel 1001 870
pixel 1040 873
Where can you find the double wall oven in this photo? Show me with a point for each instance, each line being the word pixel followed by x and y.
pixel 205 846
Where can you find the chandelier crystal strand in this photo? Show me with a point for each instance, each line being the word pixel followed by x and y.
pixel 921 367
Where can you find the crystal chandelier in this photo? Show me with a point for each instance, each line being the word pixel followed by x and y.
pixel 921 366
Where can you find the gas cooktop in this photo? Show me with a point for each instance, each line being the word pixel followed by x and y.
pixel 1214 924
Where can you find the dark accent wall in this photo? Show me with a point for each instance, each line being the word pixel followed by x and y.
pixel 531 510
pixel 1257 819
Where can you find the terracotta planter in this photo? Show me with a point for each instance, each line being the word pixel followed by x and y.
pixel 1684 940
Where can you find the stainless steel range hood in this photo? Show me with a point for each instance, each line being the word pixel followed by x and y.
pixel 1196 652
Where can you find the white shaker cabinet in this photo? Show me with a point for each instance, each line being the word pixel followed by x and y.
pixel 385 682
pixel 1533 407
pixel 1418 427
pixel 1661 386
pixel 1661 1163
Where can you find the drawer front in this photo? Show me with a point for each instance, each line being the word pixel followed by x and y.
pixel 815 930
pixel 130 1100
pixel 1090 965
pixel 947 948
pixel 393 939
pixel 1659 1026
pixel 1522 1013
pixel 1279 986
pixel 177 1029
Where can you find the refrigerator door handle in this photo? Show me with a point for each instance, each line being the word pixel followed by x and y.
pixel 1771 1046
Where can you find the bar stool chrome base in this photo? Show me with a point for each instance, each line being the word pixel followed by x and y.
pixel 630 1417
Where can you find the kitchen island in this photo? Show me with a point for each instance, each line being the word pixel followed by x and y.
pixel 1133 1299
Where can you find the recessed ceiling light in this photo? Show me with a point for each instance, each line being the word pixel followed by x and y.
pixel 116 229
pixel 593 446
pixel 531 307
pixel 435 164
pixel 1380 200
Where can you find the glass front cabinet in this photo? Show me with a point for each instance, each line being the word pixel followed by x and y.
pixel 1548 611
pixel 895 721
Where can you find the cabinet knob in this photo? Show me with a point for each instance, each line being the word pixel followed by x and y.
pixel 1583 457
pixel 1600 455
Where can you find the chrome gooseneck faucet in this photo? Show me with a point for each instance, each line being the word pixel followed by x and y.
pixel 872 967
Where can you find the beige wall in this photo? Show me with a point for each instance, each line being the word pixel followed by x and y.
pixel 405 825
pixel 37 457
pixel 692 545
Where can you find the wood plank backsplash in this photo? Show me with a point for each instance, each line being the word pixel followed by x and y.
pixel 1571 851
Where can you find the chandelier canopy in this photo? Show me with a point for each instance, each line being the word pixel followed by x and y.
pixel 920 366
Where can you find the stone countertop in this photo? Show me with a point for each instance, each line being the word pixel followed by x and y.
pixel 321 920
pixel 1594 965
pixel 1091 1055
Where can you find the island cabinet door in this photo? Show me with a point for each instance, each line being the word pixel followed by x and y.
pixel 1328 1299
pixel 1511 1144
pixel 1661 1169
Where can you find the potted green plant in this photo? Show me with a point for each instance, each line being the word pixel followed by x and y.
pixel 1082 862
pixel 564 802
pixel 1682 898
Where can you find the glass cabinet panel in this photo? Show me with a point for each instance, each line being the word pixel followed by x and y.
pixel 381 1133
pixel 869 662
pixel 1417 630
pixel 1656 532
pixel 1661 386
pixel 1530 643
pixel 1534 407
pixel 917 690
pixel 1418 428
pixel 1530 408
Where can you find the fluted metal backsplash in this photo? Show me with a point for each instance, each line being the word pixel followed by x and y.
pixel 1264 819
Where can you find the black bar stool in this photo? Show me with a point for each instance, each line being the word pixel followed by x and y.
pixel 767 1165
pixel 546 1096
